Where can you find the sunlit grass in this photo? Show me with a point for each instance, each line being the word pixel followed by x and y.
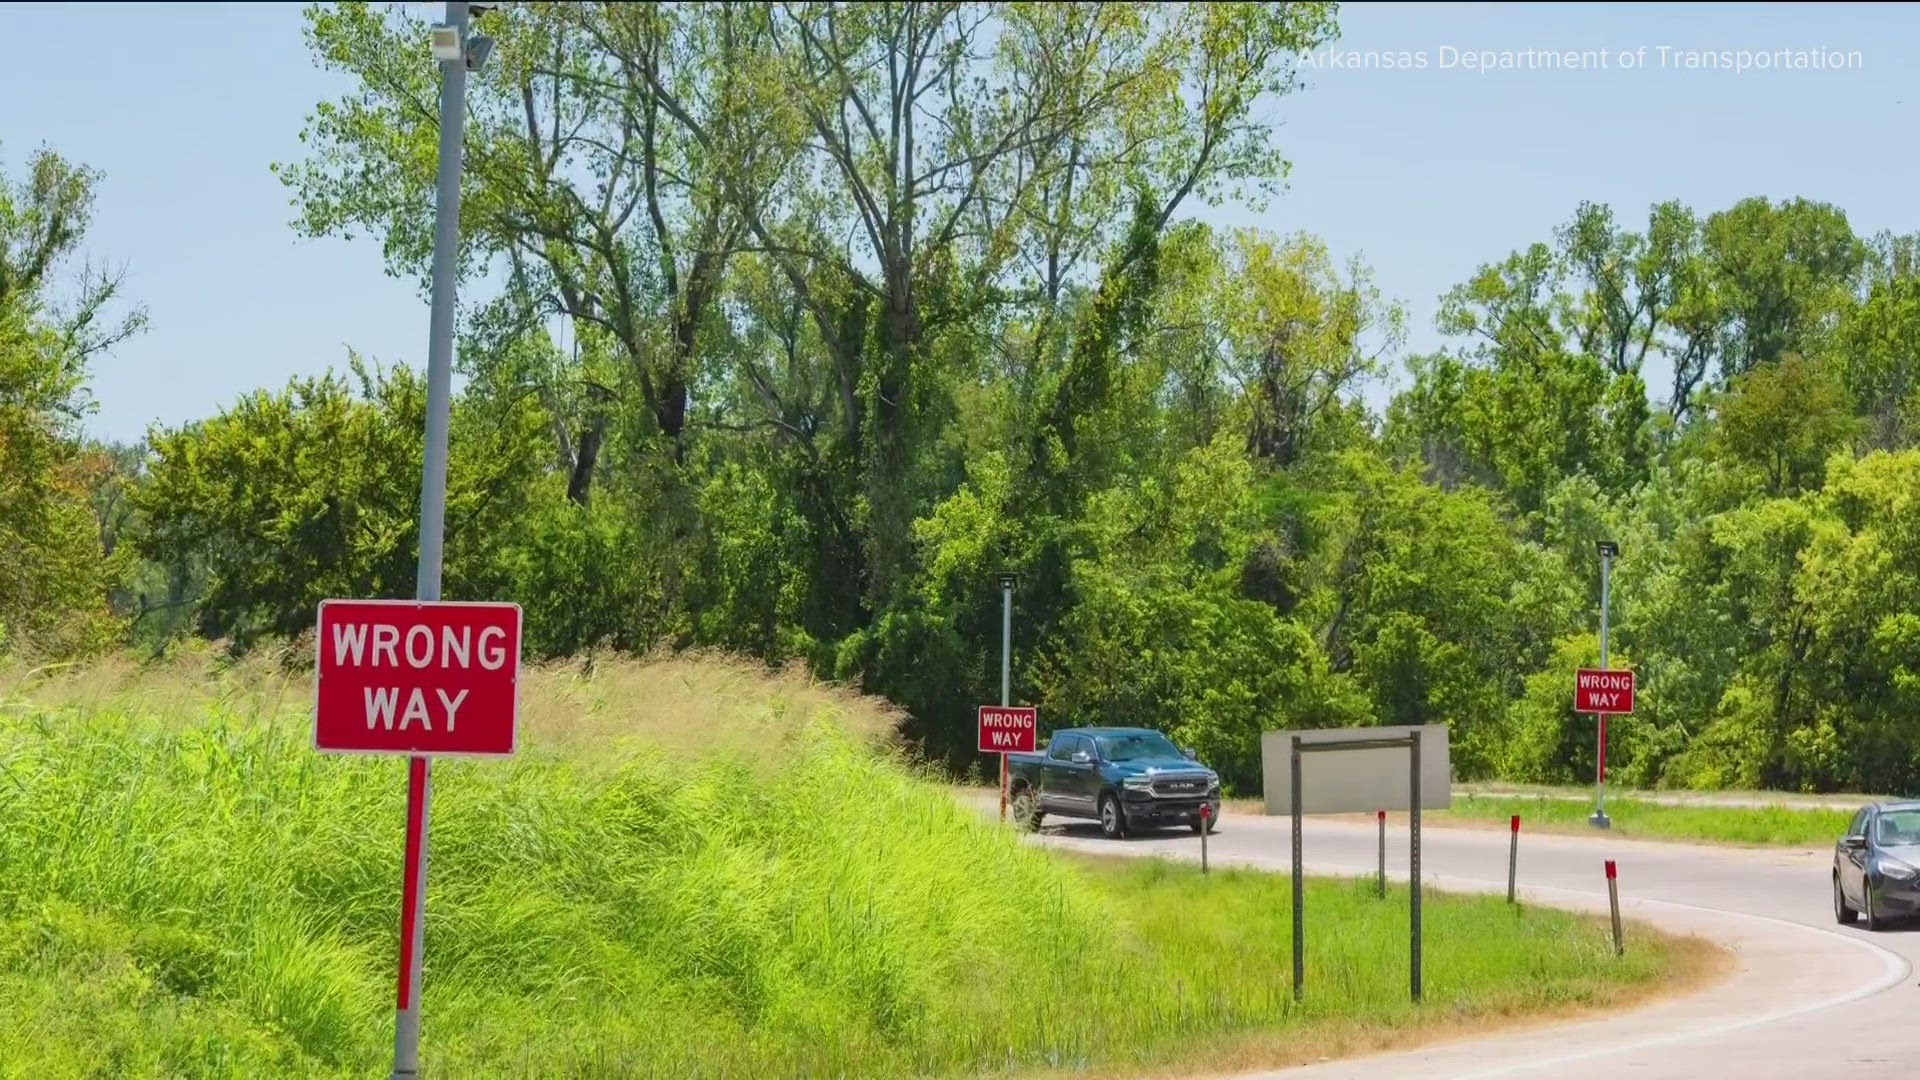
pixel 693 869
pixel 1760 825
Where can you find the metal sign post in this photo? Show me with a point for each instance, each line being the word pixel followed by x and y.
pixel 1411 742
pixel 1599 820
pixel 1299 885
pixel 1006 672
pixel 454 51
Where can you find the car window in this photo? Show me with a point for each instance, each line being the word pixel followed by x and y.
pixel 1897 828
pixel 1858 826
pixel 1082 745
pixel 1061 748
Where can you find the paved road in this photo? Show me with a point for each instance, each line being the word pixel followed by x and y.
pixel 1807 998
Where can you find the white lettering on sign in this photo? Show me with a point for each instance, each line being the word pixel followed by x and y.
pixel 1605 680
pixel 416 710
pixel 452 705
pixel 1003 738
pixel 349 638
pixel 381 701
pixel 423 635
pixel 385 637
pixel 1018 721
pixel 494 657
pixel 454 649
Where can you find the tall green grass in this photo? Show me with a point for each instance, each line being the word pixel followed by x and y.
pixel 188 889
pixel 1757 825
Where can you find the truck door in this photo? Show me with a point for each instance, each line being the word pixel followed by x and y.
pixel 1056 778
pixel 1081 780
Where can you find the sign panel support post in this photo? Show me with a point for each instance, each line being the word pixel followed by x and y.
pixel 433 507
pixel 1599 820
pixel 1006 672
pixel 1413 853
pixel 1412 744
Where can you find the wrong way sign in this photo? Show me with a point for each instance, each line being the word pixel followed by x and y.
pixel 1008 729
pixel 417 677
pixel 1596 691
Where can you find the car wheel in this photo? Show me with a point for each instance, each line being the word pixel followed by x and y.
pixel 1842 914
pixel 1871 917
pixel 1113 822
pixel 1026 810
pixel 1206 825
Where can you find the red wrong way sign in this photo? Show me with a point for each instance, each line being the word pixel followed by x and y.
pixel 1009 728
pixel 1596 691
pixel 417 677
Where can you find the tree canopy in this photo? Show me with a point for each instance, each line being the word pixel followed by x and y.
pixel 787 328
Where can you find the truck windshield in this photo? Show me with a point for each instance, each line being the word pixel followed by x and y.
pixel 1135 747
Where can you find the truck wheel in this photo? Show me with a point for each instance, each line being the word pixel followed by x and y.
pixel 1026 810
pixel 1113 821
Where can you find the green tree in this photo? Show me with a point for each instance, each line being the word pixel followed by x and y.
pixel 1877 346
pixel 1783 275
pixel 55 572
pixel 313 492
pixel 1778 424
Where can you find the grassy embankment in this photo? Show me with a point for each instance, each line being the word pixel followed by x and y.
pixel 691 869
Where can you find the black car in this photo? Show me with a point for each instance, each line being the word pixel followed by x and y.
pixel 1876 866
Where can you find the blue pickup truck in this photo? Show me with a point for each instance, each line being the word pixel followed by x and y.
pixel 1125 778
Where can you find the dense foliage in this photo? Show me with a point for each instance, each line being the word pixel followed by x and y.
pixel 788 327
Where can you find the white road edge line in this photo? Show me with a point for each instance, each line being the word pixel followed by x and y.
pixel 1897 969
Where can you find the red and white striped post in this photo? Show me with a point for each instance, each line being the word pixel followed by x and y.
pixel 1513 857
pixel 1613 901
pixel 413 910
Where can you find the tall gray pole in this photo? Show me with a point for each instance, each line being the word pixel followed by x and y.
pixel 1599 817
pixel 1006 672
pixel 1006 638
pixel 1413 857
pixel 433 504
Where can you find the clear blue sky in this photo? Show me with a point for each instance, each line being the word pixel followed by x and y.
pixel 1427 173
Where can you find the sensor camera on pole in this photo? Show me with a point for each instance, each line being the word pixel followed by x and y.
pixel 447 44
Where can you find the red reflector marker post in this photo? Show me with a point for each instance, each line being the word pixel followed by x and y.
pixel 1613 901
pixel 1206 822
pixel 1513 856
pixel 1381 885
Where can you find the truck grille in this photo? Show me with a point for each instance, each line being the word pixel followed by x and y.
pixel 1189 785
